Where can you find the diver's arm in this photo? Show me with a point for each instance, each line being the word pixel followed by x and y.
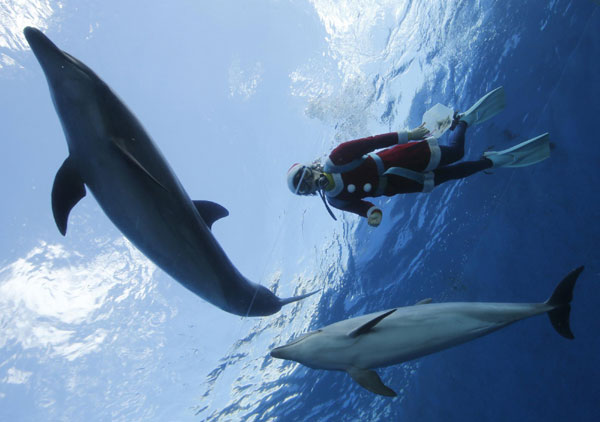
pixel 417 133
pixel 359 206
pixel 352 150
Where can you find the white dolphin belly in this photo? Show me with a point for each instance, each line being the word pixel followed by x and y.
pixel 420 330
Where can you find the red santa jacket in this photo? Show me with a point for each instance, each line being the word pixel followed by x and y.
pixel 358 172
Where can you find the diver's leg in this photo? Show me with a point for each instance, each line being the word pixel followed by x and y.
pixel 456 150
pixel 460 170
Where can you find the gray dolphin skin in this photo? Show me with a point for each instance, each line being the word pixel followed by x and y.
pixel 112 155
pixel 398 335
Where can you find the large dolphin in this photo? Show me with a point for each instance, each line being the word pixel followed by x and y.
pixel 397 335
pixel 111 154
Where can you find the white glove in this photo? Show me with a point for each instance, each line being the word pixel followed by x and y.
pixel 374 217
pixel 418 133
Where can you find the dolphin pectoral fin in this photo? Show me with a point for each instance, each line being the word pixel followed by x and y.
pixel 121 146
pixel 370 380
pixel 67 190
pixel 210 211
pixel 424 301
pixel 370 324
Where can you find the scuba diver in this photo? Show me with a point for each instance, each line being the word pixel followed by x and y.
pixel 408 161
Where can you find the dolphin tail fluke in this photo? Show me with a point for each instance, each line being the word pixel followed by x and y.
pixel 561 302
pixel 289 300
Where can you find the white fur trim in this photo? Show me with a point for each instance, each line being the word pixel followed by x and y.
pixel 328 165
pixel 402 136
pixel 378 162
pixel 428 183
pixel 435 154
pixel 339 185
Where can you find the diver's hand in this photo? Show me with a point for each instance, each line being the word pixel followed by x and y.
pixel 374 217
pixel 418 133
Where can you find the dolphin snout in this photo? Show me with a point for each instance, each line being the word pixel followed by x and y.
pixel 36 38
pixel 45 51
pixel 277 353
pixel 31 32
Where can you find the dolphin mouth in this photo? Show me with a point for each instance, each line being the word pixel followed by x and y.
pixel 282 352
pixel 277 353
pixel 40 44
pixel 52 59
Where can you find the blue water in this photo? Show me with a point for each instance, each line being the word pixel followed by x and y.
pixel 91 330
pixel 507 236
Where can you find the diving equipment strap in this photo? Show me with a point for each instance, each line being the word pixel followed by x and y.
pixel 406 173
pixel 426 178
pixel 303 170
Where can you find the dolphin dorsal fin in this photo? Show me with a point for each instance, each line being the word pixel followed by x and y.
pixel 424 301
pixel 210 211
pixel 121 145
pixel 67 190
pixel 369 324
pixel 370 380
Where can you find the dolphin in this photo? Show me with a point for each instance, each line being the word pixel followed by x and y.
pixel 358 345
pixel 111 154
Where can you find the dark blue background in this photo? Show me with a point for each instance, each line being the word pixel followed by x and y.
pixel 506 237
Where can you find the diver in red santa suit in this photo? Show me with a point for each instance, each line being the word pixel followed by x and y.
pixel 401 162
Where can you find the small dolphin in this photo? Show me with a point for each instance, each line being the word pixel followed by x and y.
pixel 111 154
pixel 398 335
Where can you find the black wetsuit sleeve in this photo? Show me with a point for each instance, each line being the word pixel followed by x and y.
pixel 360 206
